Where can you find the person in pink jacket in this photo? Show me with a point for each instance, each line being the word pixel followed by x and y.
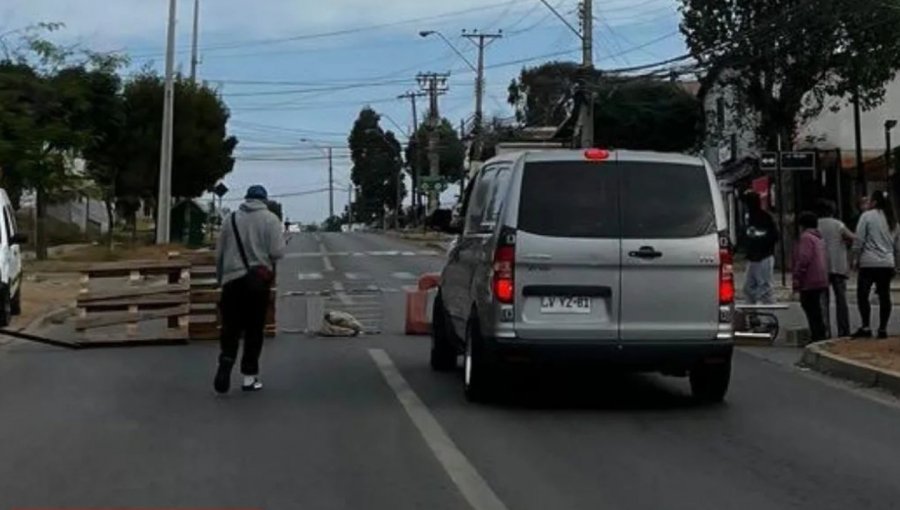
pixel 810 271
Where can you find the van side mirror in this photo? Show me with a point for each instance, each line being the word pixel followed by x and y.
pixel 18 239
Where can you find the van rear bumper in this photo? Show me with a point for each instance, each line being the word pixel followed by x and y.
pixel 637 356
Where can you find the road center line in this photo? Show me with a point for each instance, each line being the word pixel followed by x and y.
pixel 467 479
pixel 326 259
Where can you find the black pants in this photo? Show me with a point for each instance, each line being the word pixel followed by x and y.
pixel 881 278
pixel 811 301
pixel 243 308
pixel 841 309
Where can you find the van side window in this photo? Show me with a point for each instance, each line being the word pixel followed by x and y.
pixel 497 195
pixel 478 200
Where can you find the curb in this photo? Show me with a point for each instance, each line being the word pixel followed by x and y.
pixel 816 357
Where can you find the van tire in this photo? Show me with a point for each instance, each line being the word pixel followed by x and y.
pixel 15 306
pixel 443 350
pixel 709 383
pixel 479 376
pixel 5 307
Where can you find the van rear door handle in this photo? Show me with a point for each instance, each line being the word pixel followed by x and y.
pixel 646 252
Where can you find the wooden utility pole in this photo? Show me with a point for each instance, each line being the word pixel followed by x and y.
pixel 414 164
pixel 435 85
pixel 587 61
pixel 481 41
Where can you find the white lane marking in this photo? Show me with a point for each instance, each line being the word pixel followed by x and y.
pixel 310 276
pixel 402 275
pixel 408 254
pixel 326 260
pixel 318 238
pixel 341 295
pixel 410 288
pixel 313 254
pixel 357 276
pixel 467 479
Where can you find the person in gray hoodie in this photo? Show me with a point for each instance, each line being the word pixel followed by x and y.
pixel 250 244
pixel 876 240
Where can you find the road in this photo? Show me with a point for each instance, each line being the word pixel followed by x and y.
pixel 364 423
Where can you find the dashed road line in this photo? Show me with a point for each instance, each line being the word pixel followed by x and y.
pixel 310 276
pixel 403 275
pixel 357 276
pixel 342 296
pixel 470 483
pixel 326 260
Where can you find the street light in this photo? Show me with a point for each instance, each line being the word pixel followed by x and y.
pixel 330 174
pixel 888 156
pixel 427 33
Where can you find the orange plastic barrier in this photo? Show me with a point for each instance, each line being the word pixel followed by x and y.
pixel 429 281
pixel 416 317
pixel 417 322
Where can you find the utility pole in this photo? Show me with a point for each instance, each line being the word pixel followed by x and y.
pixel 414 165
pixel 462 177
pixel 586 117
pixel 163 204
pixel 779 176
pixel 435 85
pixel 330 185
pixel 481 41
pixel 195 59
pixel 350 207
pixel 860 165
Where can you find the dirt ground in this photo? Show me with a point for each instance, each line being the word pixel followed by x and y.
pixel 44 293
pixel 879 353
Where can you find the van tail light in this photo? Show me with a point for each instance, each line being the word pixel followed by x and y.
pixel 503 281
pixel 726 277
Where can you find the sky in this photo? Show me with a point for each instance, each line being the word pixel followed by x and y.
pixel 295 74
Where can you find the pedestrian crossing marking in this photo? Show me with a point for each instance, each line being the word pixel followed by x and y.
pixel 310 276
pixel 357 276
pixel 403 275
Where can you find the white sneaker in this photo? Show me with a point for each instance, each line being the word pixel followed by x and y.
pixel 251 383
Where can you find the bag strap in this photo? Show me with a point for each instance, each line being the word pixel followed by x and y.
pixel 240 243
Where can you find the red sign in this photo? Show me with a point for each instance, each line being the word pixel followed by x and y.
pixel 762 188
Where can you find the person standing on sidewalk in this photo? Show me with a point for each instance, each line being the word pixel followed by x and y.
pixel 838 240
pixel 250 244
pixel 875 246
pixel 760 238
pixel 810 274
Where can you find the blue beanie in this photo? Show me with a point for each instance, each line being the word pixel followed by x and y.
pixel 257 192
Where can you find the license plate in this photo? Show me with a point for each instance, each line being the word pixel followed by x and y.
pixel 560 304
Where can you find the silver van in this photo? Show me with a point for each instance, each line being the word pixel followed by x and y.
pixel 614 258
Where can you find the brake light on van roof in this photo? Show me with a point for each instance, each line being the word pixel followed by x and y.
pixel 596 154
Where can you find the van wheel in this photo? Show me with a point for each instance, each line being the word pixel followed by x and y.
pixel 709 383
pixel 15 306
pixel 5 307
pixel 479 375
pixel 443 350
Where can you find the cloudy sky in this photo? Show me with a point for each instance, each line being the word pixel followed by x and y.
pixel 292 70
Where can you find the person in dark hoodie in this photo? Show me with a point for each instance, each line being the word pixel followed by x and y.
pixel 810 272
pixel 760 238
pixel 249 246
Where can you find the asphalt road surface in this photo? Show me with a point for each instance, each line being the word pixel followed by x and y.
pixel 364 424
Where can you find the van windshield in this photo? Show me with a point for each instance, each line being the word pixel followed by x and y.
pixel 611 200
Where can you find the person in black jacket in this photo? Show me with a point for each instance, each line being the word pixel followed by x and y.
pixel 760 238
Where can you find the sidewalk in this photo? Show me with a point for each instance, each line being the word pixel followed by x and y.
pixel 784 292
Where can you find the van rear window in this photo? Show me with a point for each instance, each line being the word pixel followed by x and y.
pixel 628 199
pixel 569 199
pixel 665 201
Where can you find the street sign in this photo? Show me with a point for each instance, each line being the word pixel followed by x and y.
pixel 220 190
pixel 789 160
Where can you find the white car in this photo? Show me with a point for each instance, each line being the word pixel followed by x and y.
pixel 10 262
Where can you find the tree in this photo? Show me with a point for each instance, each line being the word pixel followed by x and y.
pixel 786 57
pixel 376 165
pixel 44 119
pixel 632 113
pixel 646 115
pixel 202 150
pixel 451 149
